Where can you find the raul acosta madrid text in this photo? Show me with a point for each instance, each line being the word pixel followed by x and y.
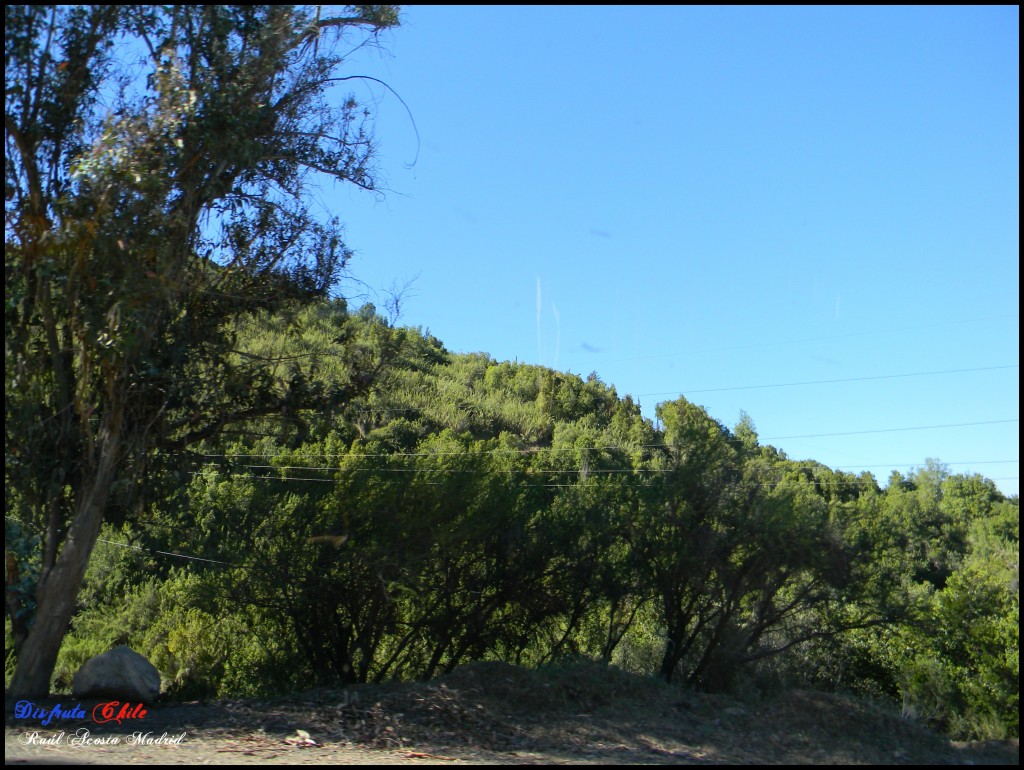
pixel 82 737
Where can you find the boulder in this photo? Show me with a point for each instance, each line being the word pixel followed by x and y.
pixel 120 673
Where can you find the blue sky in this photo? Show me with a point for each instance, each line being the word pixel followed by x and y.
pixel 694 201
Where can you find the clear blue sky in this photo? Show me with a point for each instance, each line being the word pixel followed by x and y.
pixel 696 200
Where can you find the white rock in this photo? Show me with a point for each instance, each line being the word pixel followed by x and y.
pixel 120 673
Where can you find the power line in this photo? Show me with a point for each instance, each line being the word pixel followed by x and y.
pixel 390 410
pixel 805 340
pixel 829 382
pixel 148 550
pixel 837 483
pixel 892 430
pixel 535 450
pixel 547 471
pixel 164 553
pixel 831 482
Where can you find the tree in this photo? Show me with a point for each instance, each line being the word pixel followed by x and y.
pixel 151 207
pixel 739 548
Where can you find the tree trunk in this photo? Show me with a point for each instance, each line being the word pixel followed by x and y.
pixel 673 649
pixel 57 595
pixel 15 607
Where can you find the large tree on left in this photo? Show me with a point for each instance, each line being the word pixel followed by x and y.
pixel 157 164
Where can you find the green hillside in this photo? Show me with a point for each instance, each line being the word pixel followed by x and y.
pixel 446 508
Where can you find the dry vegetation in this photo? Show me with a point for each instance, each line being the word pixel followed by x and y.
pixel 496 713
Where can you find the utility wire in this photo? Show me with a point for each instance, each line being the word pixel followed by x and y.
pixel 829 382
pixel 545 471
pixel 831 482
pixel 892 430
pixel 164 553
pixel 534 450
pixel 388 409
pixel 805 340
pixel 148 550
pixel 683 391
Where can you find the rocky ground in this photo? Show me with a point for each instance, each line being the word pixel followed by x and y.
pixel 491 713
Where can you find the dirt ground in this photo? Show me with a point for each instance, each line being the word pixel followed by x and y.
pixel 491 713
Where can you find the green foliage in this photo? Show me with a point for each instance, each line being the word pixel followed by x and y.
pixel 295 494
pixel 474 510
pixel 966 674
pixel 945 555
pixel 350 501
pixel 141 240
